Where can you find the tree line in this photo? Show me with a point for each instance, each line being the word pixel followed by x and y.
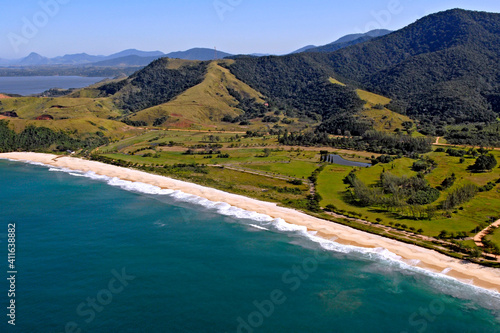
pixel 42 139
pixel 372 141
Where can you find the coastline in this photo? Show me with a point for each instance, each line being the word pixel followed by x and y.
pixel 479 276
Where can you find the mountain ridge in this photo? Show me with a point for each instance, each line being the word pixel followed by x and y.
pixel 35 59
pixel 344 41
pixel 444 65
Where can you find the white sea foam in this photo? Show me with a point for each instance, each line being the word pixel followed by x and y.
pixel 62 170
pixel 258 227
pixel 76 174
pixel 34 163
pixel 278 224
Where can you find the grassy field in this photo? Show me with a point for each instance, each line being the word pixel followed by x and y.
pixel 255 186
pixel 60 107
pixel 495 237
pixel 465 218
pixel 79 116
pixel 115 130
pixel 372 99
pixel 335 81
pixel 383 119
pixel 294 168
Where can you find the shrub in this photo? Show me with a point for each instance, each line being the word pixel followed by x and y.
pixel 484 163
pixel 330 208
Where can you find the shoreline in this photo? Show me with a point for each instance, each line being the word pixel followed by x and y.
pixel 430 260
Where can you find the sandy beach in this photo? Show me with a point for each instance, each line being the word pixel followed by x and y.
pixel 484 277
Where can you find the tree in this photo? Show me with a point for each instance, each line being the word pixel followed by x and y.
pixel 484 162
pixel 459 196
pixel 448 182
pixel 350 179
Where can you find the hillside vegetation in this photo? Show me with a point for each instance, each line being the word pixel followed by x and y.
pixel 156 84
pixel 442 69
pixel 205 103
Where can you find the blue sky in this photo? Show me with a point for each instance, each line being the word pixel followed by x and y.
pixel 58 27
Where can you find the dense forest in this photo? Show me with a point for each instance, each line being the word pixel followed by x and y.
pixel 444 65
pixel 474 134
pixel 44 139
pixel 298 86
pixel 442 69
pixel 156 84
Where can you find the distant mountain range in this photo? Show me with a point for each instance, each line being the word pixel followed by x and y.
pixel 345 41
pixel 305 48
pixel 131 57
pixel 137 58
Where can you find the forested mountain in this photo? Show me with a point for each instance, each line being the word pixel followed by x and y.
pixel 349 40
pixel 303 49
pixel 35 59
pixel 130 57
pixel 297 84
pixel 134 52
pixel 155 84
pixel 443 67
pixel 74 59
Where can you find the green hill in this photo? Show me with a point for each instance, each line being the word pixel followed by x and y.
pixel 441 67
pixel 155 84
pixel 437 70
pixel 204 104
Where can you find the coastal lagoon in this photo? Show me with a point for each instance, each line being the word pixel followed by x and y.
pixel 29 85
pixel 104 255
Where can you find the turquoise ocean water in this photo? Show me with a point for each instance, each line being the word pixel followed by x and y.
pixel 101 255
